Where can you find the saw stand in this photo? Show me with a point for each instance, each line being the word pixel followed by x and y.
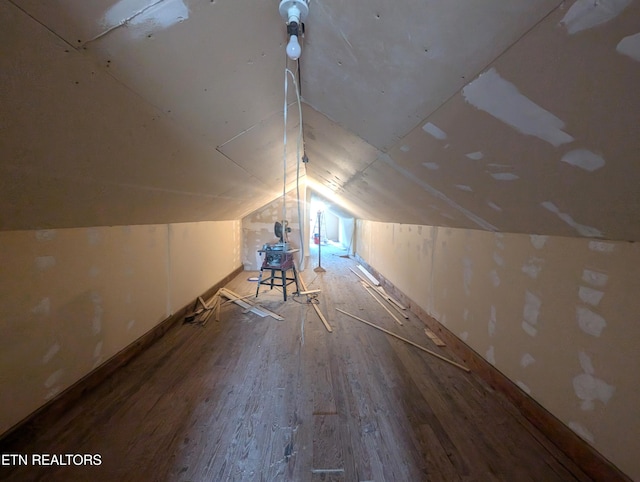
pixel 279 263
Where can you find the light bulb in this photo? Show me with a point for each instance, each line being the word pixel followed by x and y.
pixel 293 48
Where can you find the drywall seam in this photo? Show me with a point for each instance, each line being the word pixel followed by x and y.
pixel 502 99
pixel 582 229
pixel 434 192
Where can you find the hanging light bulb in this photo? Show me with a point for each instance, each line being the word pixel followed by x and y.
pixel 293 48
pixel 293 12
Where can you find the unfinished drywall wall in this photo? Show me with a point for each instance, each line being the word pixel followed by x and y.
pixel 556 315
pixel 257 227
pixel 72 298
pixel 347 227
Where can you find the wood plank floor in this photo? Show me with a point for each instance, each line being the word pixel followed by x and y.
pixel 256 399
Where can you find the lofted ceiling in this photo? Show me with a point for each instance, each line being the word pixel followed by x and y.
pixel 517 116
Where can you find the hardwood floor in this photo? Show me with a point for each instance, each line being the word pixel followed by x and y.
pixel 251 398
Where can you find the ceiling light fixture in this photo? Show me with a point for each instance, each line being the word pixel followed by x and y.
pixel 294 12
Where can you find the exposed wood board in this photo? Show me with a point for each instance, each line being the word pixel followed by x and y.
pixel 405 340
pixel 248 305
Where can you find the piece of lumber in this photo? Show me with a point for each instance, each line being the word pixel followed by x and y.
pixel 434 338
pixel 370 291
pixel 383 293
pixel 258 310
pixel 309 292
pixel 390 298
pixel 317 310
pixel 406 341
pixel 372 278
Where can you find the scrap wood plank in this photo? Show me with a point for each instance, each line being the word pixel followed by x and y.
pixel 198 312
pixel 258 310
pixel 406 341
pixel 395 304
pixel 317 310
pixel 370 291
pixel 390 298
pixel 434 338
pixel 372 278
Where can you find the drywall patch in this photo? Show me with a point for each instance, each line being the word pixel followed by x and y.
pixel 584 159
pixel 158 16
pixel 495 278
pixel 590 322
pixel 494 206
pixel 630 46
pixel 130 324
pixel 405 148
pixel 580 430
pixel 523 387
pixel 98 311
pixel 43 307
pixel 499 260
pixel 533 267
pixel 530 313
pixel 490 355
pixel 590 296
pixel 594 278
pixel 434 192
pixel 434 130
pixel 93 236
pixel 467 273
pixel 588 388
pixel 476 156
pixel 582 229
pixel 45 235
pixel 501 99
pixel 94 272
pixel 464 335
pixel 51 352
pixel 44 263
pixel 601 246
pixel 504 176
pixel 538 240
pixel 53 378
pixel 586 14
pixel 526 360
pixel 97 351
pixel 432 166
pixel 492 322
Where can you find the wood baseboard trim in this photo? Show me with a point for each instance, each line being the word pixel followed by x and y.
pixel 590 461
pixel 55 408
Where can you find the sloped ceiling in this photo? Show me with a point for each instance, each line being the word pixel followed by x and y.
pixel 517 116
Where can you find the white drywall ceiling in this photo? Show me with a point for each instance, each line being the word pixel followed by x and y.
pixel 147 111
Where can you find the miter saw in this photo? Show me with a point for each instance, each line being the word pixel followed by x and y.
pixel 276 254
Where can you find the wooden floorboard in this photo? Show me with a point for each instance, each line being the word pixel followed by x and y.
pixel 256 399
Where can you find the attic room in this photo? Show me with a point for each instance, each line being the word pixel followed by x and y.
pixel 479 160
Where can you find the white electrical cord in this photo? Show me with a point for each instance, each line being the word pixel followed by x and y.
pixel 284 182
